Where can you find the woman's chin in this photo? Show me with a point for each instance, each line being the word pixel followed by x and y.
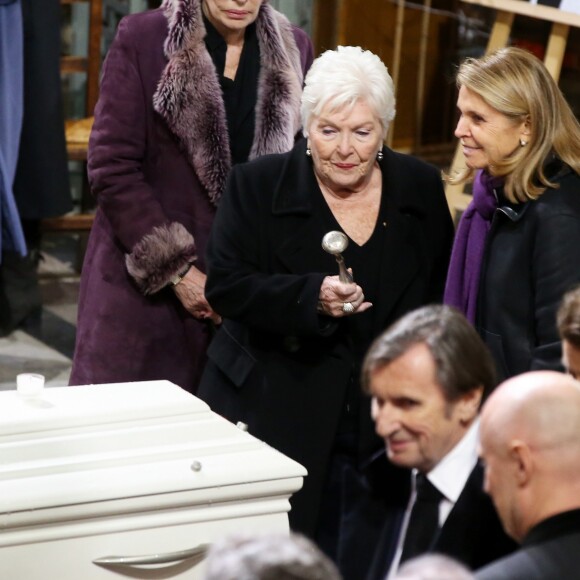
pixel 473 164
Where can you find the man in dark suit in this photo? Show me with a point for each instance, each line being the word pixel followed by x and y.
pixel 427 375
pixel 530 442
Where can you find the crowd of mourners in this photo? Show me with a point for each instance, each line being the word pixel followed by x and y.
pixel 423 371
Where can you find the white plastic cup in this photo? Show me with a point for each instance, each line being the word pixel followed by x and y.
pixel 29 384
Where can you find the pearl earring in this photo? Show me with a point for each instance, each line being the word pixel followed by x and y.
pixel 308 152
pixel 523 143
pixel 380 156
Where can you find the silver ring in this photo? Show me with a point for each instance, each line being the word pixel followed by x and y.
pixel 347 307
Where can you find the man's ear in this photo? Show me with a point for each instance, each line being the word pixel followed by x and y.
pixel 469 404
pixel 521 456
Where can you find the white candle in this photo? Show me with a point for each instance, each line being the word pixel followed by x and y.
pixel 29 384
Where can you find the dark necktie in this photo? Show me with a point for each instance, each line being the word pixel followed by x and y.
pixel 424 519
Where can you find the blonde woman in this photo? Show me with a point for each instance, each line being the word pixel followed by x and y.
pixel 517 248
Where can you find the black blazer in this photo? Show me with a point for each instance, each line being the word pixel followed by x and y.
pixel 549 552
pixel 472 532
pixel 275 363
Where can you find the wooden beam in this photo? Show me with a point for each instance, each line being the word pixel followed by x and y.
pixel 423 48
pixel 532 10
pixel 73 64
pixel 342 19
pixel 324 23
pixel 500 33
pixel 396 65
pixel 556 49
pixel 94 55
pixel 67 223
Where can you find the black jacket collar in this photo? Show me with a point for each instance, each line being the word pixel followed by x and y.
pixel 561 524
pixel 554 170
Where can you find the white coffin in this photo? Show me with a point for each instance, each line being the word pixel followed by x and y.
pixel 128 480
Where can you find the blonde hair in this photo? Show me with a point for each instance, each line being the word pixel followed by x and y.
pixel 517 84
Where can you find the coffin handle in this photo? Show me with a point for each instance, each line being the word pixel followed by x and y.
pixel 152 559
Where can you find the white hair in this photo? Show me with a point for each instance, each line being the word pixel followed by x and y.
pixel 433 567
pixel 244 556
pixel 341 77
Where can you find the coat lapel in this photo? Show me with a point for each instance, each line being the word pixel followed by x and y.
pixel 398 265
pixel 279 85
pixel 189 97
pixel 462 529
pixel 300 231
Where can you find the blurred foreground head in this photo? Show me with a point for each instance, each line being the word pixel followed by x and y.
pixel 433 567
pixel 271 557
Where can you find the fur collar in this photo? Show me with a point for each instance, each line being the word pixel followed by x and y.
pixel 188 95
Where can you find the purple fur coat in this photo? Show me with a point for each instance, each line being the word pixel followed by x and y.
pixel 158 160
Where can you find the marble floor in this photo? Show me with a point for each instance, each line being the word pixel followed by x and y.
pixel 44 343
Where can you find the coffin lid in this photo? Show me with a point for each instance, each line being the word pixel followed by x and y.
pixel 98 443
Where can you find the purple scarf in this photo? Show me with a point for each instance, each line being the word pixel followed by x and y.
pixel 467 255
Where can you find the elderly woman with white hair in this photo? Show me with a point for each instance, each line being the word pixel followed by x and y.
pixel 287 358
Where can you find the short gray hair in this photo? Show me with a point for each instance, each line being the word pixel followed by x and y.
pixel 462 361
pixel 340 78
pixel 433 567
pixel 271 557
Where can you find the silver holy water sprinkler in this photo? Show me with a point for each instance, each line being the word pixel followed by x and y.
pixel 335 243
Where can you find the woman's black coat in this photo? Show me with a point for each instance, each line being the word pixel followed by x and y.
pixel 276 364
pixel 532 258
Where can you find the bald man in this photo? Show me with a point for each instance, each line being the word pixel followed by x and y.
pixel 530 444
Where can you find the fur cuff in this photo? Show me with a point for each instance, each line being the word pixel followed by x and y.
pixel 159 256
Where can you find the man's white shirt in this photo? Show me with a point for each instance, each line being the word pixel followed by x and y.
pixel 449 476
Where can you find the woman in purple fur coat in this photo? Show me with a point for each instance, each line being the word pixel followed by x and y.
pixel 187 90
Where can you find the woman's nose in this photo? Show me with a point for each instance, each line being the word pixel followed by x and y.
pixel 461 129
pixel 345 145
